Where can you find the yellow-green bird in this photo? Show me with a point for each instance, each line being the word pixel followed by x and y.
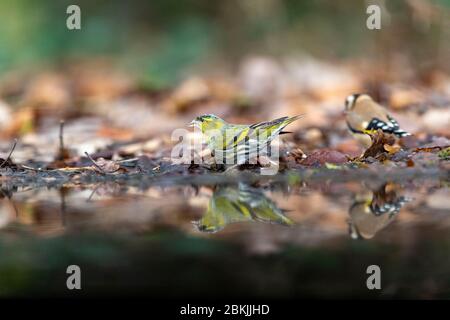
pixel 239 139
pixel 238 204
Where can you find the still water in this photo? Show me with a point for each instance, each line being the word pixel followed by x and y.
pixel 265 239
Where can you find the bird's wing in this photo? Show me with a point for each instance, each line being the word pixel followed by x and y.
pixel 389 126
pixel 390 207
pixel 267 130
pixel 225 137
pixel 276 124
pixel 246 139
pixel 238 135
pixel 224 207
pixel 378 118
pixel 261 207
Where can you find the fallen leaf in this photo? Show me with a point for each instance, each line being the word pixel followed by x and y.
pixel 320 157
pixel 106 166
pixel 297 154
pixel 379 142
pixel 391 149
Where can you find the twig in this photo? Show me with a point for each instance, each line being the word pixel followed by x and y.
pixel 127 160
pixel 31 168
pixel 428 149
pixel 10 153
pixel 93 192
pixel 93 161
pixel 61 138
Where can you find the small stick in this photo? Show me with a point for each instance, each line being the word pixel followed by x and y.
pixel 127 160
pixel 431 148
pixel 30 168
pixel 93 161
pixel 93 192
pixel 10 153
pixel 61 138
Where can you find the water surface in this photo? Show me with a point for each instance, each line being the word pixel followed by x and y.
pixel 284 238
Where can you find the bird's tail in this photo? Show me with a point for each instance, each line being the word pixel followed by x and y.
pixel 401 133
pixel 292 119
pixel 276 125
pixel 284 123
pixel 395 128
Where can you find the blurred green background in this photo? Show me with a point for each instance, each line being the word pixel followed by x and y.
pixel 162 40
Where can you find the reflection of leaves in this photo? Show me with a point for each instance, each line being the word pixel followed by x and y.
pixel 332 166
pixel 371 212
pixel 244 203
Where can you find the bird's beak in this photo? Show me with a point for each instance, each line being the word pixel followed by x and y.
pixel 192 123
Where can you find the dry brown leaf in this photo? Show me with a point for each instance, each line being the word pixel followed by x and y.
pixel 23 122
pixel 298 154
pixel 320 157
pixel 379 142
pixel 391 149
pixel 106 166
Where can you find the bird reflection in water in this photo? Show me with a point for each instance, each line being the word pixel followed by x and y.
pixel 231 204
pixel 372 211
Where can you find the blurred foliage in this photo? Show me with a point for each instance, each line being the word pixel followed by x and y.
pixel 444 154
pixel 164 39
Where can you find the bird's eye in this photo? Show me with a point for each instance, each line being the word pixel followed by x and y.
pixel 347 103
pixel 350 101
